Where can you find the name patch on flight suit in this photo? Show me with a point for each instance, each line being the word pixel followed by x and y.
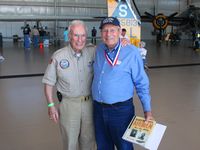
pixel 64 63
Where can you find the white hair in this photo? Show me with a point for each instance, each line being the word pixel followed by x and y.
pixel 77 22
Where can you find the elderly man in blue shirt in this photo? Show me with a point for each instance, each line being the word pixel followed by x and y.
pixel 117 71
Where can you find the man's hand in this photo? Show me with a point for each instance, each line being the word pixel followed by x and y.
pixel 148 116
pixel 124 42
pixel 53 114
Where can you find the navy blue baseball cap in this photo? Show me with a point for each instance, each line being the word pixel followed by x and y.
pixel 109 20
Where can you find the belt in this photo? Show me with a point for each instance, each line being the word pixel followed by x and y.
pixel 114 104
pixel 84 98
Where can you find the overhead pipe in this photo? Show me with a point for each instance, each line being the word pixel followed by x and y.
pixel 55 23
pixel 51 4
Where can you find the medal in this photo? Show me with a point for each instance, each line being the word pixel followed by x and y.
pixel 114 61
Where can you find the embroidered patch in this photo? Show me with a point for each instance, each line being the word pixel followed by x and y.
pixel 64 63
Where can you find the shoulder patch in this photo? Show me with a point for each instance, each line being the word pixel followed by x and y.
pixel 64 63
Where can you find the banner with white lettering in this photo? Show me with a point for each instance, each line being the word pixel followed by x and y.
pixel 128 19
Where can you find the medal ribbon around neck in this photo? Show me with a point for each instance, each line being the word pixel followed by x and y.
pixel 113 63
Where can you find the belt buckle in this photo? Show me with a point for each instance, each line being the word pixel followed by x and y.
pixel 84 98
pixel 87 98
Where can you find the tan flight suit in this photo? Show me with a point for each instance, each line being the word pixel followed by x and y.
pixel 72 76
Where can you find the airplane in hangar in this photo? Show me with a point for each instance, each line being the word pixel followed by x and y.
pixel 187 21
pixel 189 18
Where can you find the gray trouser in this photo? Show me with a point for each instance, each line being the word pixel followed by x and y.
pixel 76 123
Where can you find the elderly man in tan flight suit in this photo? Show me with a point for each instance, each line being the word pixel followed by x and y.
pixel 71 71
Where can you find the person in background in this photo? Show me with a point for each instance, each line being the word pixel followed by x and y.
pixel 27 32
pixel 65 34
pixel 117 72
pixel 1 55
pixel 123 34
pixel 143 53
pixel 167 38
pixel 36 35
pixel 1 58
pixel 42 33
pixel 70 70
pixel 94 34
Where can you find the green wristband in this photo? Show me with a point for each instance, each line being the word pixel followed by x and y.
pixel 51 104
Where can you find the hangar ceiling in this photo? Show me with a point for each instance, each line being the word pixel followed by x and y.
pixel 23 9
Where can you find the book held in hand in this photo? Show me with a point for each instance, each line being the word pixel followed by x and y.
pixel 146 134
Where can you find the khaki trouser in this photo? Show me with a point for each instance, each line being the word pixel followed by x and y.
pixel 76 123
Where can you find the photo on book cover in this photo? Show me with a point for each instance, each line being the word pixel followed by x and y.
pixel 138 130
pixel 146 134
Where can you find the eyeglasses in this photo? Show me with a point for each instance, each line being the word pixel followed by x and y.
pixel 79 35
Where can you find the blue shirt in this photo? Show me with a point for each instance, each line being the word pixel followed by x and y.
pixel 112 84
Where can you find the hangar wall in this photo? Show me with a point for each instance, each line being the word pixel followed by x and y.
pixel 46 8
pixel 72 8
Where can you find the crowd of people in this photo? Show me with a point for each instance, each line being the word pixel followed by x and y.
pixel 95 87
pixel 35 35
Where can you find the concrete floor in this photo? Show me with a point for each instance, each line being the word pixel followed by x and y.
pixel 175 94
